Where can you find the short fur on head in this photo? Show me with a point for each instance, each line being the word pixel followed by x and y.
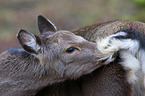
pixel 53 57
pixel 131 48
pixel 60 52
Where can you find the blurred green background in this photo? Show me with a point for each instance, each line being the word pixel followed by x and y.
pixel 65 14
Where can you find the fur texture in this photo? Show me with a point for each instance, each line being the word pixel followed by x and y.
pixel 130 47
pixel 44 60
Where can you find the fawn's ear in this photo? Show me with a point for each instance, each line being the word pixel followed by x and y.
pixel 45 25
pixel 30 42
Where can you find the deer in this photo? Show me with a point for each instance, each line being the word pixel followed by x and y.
pixel 115 78
pixel 41 61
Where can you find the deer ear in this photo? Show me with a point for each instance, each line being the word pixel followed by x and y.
pixel 45 25
pixel 29 41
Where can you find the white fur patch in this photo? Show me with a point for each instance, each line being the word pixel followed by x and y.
pixel 131 63
pixel 141 57
pixel 109 45
pixel 128 49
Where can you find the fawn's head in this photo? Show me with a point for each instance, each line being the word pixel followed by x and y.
pixel 61 51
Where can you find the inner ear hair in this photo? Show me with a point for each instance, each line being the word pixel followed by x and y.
pixel 30 42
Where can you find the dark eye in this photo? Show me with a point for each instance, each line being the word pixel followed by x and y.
pixel 70 49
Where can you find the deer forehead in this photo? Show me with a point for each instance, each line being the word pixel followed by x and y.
pixel 62 36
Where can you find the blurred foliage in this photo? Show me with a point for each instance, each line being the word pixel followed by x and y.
pixel 139 11
pixel 65 14
pixel 140 3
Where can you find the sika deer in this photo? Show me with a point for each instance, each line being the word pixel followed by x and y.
pixel 53 57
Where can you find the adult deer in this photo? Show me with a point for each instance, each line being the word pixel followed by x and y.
pixel 54 57
pixel 110 80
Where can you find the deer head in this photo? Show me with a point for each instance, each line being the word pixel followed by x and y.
pixel 62 53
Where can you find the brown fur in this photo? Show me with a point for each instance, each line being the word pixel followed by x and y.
pixel 108 80
pixel 23 75
pixel 44 60
pixel 105 81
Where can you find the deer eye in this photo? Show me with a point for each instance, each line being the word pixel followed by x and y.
pixel 70 49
